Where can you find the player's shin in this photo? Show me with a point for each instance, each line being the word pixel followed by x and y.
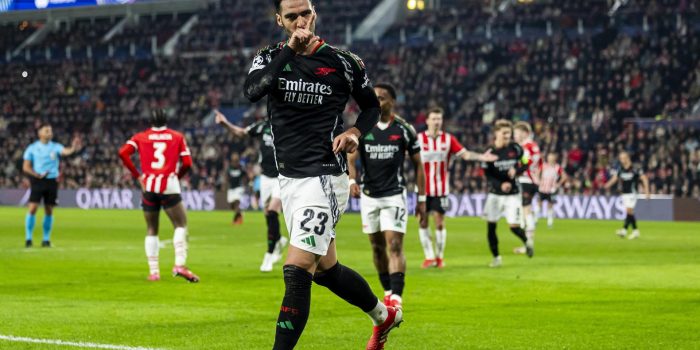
pixel 273 230
pixel 633 221
pixel 29 222
pixel 47 226
pixel 493 239
pixel 385 280
pixel 530 225
pixel 427 243
pixel 351 287
pixel 152 249
pixel 294 311
pixel 180 244
pixel 519 232
pixel 440 241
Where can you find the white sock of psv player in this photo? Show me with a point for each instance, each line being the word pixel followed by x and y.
pixel 440 241
pixel 550 217
pixel 427 243
pixel 180 244
pixel 152 249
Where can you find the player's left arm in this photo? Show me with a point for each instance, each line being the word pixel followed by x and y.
pixel 563 178
pixel 521 165
pixel 366 99
pixel 185 157
pixel 235 130
pixel 353 173
pixel 74 147
pixel 645 184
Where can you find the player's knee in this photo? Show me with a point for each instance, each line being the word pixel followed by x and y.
pixel 378 249
pixel 439 226
pixel 296 278
pixel 396 248
pixel 328 277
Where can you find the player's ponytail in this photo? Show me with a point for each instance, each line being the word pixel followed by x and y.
pixel 158 117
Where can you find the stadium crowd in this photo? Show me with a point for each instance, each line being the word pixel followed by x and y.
pixel 576 90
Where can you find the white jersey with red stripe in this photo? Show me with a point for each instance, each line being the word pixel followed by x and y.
pixel 550 176
pixel 160 150
pixel 436 153
pixel 532 152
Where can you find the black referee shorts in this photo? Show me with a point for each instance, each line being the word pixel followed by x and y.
pixel 154 201
pixel 46 189
pixel 436 204
pixel 529 192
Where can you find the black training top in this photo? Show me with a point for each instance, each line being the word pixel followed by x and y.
pixel 510 156
pixel 306 99
pixel 382 153
pixel 629 177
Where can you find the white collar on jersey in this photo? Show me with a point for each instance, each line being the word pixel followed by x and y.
pixel 162 128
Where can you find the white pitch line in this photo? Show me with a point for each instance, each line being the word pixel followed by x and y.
pixel 70 343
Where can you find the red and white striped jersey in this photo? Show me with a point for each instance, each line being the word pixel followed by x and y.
pixel 436 154
pixel 160 150
pixel 532 152
pixel 550 176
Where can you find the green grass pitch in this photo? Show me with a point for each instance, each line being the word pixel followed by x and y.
pixel 584 289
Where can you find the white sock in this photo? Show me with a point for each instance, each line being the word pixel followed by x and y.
pixel 180 243
pixel 530 225
pixel 387 292
pixel 152 249
pixel 427 243
pixel 550 214
pixel 440 240
pixel 378 314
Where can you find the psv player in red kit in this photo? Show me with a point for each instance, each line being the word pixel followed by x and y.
pixel 530 179
pixel 437 149
pixel 160 150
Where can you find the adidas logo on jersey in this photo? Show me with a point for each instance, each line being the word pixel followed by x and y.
pixel 310 241
pixel 369 137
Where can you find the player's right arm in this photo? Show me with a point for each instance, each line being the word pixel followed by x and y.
pixel 29 170
pixel 125 153
pixel 265 70
pixel 612 181
pixel 27 164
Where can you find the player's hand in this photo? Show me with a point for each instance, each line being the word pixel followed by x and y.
pixel 487 157
pixel 219 117
pixel 142 180
pixel 347 141
pixel 420 213
pixel 506 187
pixel 511 173
pixel 300 40
pixel 42 175
pixel 76 143
pixel 355 190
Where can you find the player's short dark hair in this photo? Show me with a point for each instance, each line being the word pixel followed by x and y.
pixel 388 87
pixel 437 110
pixel 42 125
pixel 158 117
pixel 502 124
pixel 278 4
